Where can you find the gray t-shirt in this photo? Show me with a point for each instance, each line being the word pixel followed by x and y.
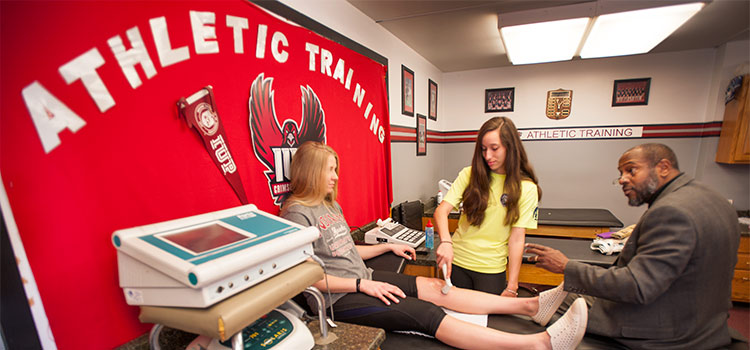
pixel 335 245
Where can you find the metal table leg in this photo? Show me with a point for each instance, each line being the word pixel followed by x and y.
pixel 153 337
pixel 237 343
pixel 321 309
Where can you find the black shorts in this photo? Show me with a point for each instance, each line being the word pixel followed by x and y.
pixel 493 283
pixel 410 314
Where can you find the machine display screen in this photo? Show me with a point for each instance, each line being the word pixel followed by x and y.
pixel 205 238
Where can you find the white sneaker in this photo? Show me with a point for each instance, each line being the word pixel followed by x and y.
pixel 567 332
pixel 549 301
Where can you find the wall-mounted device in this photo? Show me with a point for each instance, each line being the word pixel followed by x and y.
pixel 203 259
pixel 389 231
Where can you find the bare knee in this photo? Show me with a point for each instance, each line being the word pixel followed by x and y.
pixel 428 288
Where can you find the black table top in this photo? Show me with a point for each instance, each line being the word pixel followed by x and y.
pixel 565 217
pixel 578 217
pixel 574 249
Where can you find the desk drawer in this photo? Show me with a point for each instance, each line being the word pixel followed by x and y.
pixel 419 270
pixel 744 244
pixel 531 274
pixel 743 261
pixel 567 231
pixel 741 286
pixel 452 224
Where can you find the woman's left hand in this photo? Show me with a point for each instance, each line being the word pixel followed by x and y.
pixel 404 251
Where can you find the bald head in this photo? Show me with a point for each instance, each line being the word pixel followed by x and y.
pixel 653 153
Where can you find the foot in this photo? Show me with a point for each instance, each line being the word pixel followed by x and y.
pixel 549 301
pixel 567 332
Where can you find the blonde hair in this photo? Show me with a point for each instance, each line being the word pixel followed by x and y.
pixel 308 175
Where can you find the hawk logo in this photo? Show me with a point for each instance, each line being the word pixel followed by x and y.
pixel 274 143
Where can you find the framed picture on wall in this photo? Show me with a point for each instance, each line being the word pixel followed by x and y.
pixel 433 93
pixel 407 91
pixel 499 100
pixel 631 92
pixel 421 135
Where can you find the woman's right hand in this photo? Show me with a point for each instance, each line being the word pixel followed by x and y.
pixel 445 256
pixel 381 290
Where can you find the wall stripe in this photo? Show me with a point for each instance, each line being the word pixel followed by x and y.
pixel 609 132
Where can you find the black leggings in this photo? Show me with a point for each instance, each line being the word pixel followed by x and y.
pixel 493 283
pixel 410 314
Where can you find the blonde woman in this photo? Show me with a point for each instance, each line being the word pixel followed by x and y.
pixel 399 302
pixel 500 193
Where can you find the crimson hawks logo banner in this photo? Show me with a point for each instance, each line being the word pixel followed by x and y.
pixel 274 143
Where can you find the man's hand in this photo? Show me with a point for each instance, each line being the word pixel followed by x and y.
pixel 547 258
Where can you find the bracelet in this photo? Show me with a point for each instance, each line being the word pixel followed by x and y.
pixel 450 242
pixel 512 291
pixel 358 280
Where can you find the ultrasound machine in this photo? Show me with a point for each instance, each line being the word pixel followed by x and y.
pixel 198 263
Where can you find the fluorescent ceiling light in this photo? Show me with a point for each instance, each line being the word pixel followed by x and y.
pixel 543 42
pixel 635 32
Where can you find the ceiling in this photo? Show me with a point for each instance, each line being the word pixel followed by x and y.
pixel 463 35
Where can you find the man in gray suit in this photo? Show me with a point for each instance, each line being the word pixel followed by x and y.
pixel 670 287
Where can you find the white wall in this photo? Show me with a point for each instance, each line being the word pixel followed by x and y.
pixel 679 86
pixel 686 87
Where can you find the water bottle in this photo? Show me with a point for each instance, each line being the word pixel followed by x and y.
pixel 429 240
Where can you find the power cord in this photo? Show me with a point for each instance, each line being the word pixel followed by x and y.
pixel 325 276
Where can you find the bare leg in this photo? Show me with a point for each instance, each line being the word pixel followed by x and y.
pixel 565 334
pixel 465 335
pixel 474 302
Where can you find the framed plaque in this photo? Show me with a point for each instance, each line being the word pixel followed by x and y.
pixel 421 135
pixel 631 92
pixel 407 91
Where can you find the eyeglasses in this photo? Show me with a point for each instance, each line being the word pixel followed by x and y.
pixel 629 173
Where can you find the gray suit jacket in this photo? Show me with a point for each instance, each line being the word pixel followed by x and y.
pixel 670 287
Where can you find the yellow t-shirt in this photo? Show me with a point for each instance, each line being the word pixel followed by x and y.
pixel 484 248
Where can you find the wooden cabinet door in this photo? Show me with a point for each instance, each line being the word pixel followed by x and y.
pixel 742 153
pixel 734 142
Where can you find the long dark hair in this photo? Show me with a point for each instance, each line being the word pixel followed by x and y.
pixel 517 168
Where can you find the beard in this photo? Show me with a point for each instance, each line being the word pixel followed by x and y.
pixel 644 191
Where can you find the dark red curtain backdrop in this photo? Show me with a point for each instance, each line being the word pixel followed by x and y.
pixel 138 162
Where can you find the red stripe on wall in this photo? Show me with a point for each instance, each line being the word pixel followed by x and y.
pixel 403 138
pixel 682 126
pixel 681 134
pixel 649 131
pixel 395 128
